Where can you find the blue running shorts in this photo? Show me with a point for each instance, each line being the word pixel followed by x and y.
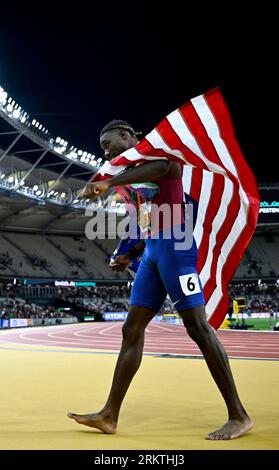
pixel 164 270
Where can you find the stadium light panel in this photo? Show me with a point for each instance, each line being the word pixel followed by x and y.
pixel 72 155
pixel 16 113
pixel 2 176
pixel 3 97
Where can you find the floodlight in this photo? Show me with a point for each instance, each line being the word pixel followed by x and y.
pixel 16 113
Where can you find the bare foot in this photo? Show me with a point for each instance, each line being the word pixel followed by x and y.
pixel 95 420
pixel 231 430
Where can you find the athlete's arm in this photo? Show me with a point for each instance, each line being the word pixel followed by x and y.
pixel 140 174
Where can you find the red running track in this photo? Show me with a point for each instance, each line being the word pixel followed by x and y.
pixel 161 338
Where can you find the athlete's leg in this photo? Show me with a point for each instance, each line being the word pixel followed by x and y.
pixel 179 275
pixel 216 358
pixel 147 297
pixel 128 362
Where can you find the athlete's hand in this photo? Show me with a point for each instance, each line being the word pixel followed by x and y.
pixel 121 262
pixel 93 190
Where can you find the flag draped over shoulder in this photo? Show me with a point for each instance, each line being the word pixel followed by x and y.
pixel 200 135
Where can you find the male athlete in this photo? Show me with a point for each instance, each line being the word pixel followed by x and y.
pixel 163 270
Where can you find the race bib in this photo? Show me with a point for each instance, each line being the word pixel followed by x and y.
pixel 190 284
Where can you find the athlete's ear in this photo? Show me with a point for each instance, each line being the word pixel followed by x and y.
pixel 123 134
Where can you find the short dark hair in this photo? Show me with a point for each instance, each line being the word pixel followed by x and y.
pixel 119 124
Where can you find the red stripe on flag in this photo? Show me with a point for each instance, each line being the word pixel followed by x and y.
pixel 169 135
pixel 199 133
pixel 224 231
pixel 212 209
pixel 196 183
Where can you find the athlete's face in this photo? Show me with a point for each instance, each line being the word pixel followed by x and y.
pixel 115 142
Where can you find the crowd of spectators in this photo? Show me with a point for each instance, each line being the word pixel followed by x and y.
pixel 259 297
pixel 98 299
pixel 18 308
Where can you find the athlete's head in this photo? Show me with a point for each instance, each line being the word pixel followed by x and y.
pixel 116 137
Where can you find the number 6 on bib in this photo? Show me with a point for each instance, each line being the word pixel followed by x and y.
pixel 190 283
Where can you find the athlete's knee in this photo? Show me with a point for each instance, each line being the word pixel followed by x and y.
pixel 131 332
pixel 196 324
pixel 197 332
pixel 137 320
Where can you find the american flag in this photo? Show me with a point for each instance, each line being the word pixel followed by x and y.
pixel 200 135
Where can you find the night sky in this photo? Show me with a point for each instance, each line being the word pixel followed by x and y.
pixel 74 70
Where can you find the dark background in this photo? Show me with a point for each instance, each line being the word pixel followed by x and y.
pixel 75 68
